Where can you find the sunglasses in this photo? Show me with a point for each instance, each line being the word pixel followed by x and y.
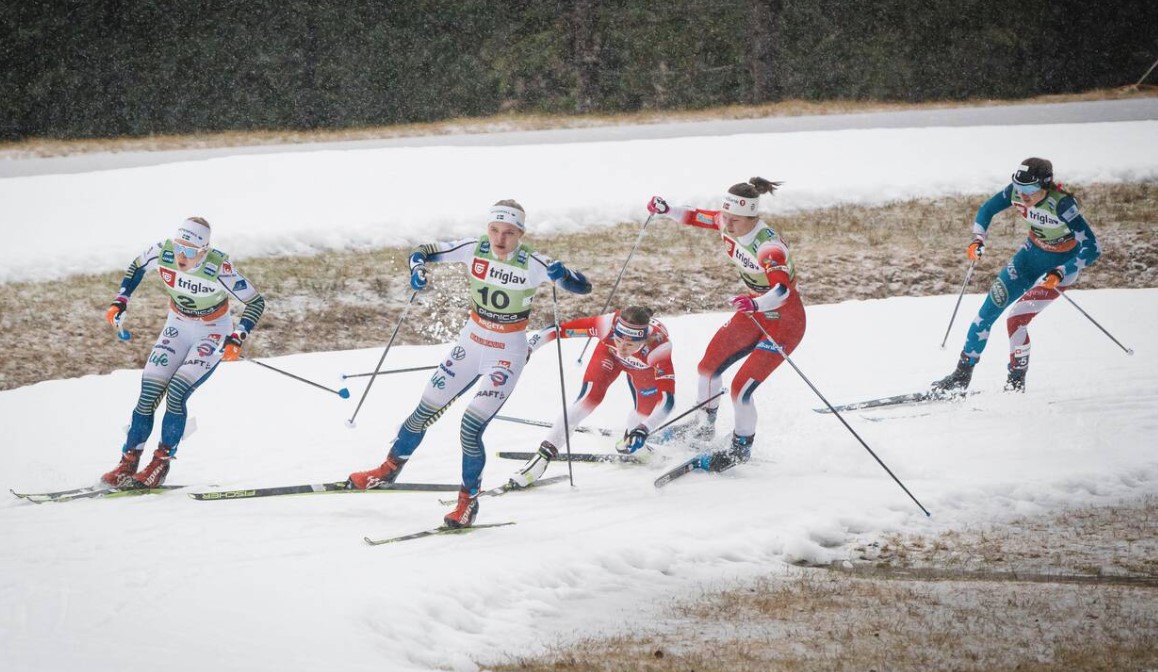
pixel 187 250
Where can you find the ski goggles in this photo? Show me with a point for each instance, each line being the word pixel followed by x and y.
pixel 1026 189
pixel 189 251
pixel 629 332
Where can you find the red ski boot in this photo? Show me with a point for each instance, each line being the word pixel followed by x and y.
pixel 463 514
pixel 120 477
pixel 154 473
pixel 366 480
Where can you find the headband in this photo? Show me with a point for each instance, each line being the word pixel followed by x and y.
pixel 630 331
pixel 508 215
pixel 741 205
pixel 193 232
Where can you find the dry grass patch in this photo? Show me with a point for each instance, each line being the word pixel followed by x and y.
pixel 352 299
pixel 48 147
pixel 976 615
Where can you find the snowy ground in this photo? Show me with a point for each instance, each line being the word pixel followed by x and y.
pixel 298 201
pixel 246 584
pixel 241 585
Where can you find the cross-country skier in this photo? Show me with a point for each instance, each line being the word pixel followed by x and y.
pixel 764 264
pixel 199 281
pixel 1060 244
pixel 492 347
pixel 630 341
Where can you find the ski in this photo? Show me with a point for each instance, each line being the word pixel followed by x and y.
pixel 897 400
pixel 319 488
pixel 510 487
pixel 686 467
pixel 433 531
pixel 539 423
pixel 579 457
pixel 90 492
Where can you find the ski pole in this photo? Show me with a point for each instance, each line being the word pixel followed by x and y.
pixel 615 286
pixel 343 393
pixel 691 410
pixel 1129 351
pixel 562 383
pixel 386 373
pixel 968 275
pixel 401 319
pixel 778 349
pixel 539 423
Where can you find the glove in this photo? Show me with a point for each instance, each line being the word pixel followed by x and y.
pixel 418 277
pixel 118 306
pixel 635 439
pixel 233 345
pixel 1051 279
pixel 556 271
pixel 743 303
pixel 657 206
pixel 975 249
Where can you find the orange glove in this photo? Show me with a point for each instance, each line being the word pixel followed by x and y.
pixel 975 249
pixel 1051 278
pixel 117 307
pixel 233 345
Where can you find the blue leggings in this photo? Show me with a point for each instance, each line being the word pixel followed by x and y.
pixel 1019 275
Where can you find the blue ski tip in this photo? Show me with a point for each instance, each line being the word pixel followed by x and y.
pixel 344 393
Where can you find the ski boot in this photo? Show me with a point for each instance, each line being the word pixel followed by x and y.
pixel 535 467
pixel 1015 382
pixel 957 382
pixel 123 474
pixel 154 473
pixel 368 480
pixel 738 453
pixel 466 511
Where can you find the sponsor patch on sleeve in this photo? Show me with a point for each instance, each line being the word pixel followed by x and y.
pixel 704 218
pixel 1071 214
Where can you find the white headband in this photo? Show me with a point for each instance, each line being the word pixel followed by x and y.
pixel 193 232
pixel 741 205
pixel 502 213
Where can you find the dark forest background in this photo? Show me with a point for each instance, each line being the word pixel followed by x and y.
pixel 101 68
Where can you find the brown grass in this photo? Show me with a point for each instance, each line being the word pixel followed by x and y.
pixel 47 147
pixel 346 300
pixel 980 616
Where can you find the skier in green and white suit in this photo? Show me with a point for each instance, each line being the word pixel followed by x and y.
pixel 198 334
pixel 492 347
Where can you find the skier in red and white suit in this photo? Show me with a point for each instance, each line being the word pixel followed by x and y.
pixel 630 341
pixel 771 303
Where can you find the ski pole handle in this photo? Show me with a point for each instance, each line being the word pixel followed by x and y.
pixel 122 333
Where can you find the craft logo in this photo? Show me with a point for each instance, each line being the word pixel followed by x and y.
pixel 479 268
